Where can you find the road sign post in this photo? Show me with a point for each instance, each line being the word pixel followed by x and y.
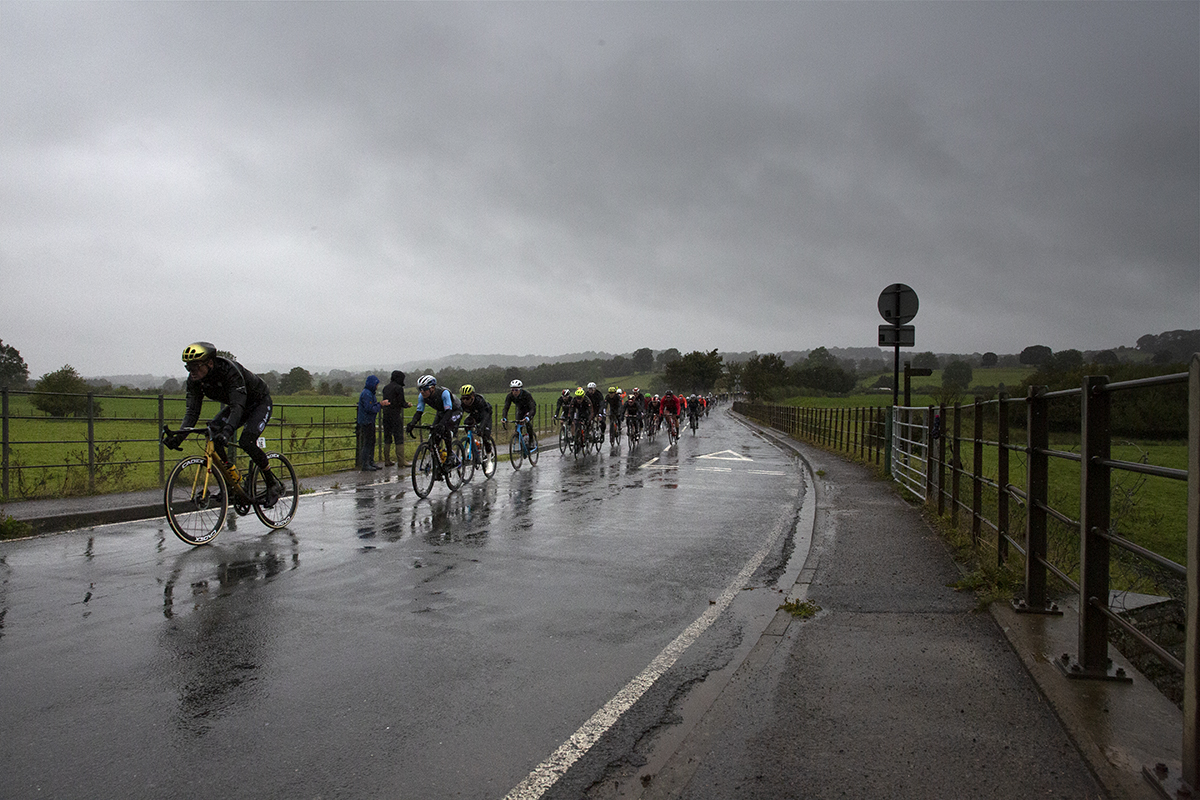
pixel 898 304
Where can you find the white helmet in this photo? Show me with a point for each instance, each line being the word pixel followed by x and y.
pixel 425 381
pixel 516 384
pixel 591 386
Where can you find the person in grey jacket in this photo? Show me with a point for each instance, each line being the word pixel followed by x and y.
pixel 393 419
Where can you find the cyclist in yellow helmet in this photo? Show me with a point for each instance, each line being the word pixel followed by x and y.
pixel 245 403
pixel 477 410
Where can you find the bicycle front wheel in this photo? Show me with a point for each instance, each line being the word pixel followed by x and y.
pixel 280 513
pixel 533 448
pixel 564 438
pixel 424 470
pixel 488 457
pixel 515 456
pixel 455 475
pixel 196 501
pixel 471 448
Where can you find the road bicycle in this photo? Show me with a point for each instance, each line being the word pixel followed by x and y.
pixel 200 489
pixel 634 429
pixel 596 435
pixel 480 454
pixel 432 462
pixel 578 436
pixel 523 445
pixel 652 422
pixel 614 431
pixel 564 437
pixel 693 421
pixel 672 429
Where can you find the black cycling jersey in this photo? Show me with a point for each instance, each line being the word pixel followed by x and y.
pixel 596 399
pixel 614 403
pixel 524 402
pixel 581 408
pixel 480 411
pixel 229 383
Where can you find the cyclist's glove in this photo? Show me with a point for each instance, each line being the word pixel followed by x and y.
pixel 172 440
pixel 409 430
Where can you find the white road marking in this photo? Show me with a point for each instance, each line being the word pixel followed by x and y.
pixel 727 455
pixel 547 773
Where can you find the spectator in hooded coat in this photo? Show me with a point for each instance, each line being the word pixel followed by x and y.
pixel 393 418
pixel 368 407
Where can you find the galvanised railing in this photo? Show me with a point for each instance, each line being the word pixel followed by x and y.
pixel 1074 506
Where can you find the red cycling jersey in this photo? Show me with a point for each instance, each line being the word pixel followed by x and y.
pixel 670 405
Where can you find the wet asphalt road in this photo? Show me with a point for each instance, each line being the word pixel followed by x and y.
pixel 387 646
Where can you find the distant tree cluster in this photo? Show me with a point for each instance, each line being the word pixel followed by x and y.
pixel 14 372
pixel 764 377
pixel 63 393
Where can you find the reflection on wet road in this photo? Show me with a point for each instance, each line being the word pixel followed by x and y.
pixel 386 645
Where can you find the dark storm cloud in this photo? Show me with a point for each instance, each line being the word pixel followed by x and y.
pixel 733 175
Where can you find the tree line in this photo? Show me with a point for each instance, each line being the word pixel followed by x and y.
pixel 760 376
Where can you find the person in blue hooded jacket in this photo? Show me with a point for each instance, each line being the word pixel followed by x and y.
pixel 368 407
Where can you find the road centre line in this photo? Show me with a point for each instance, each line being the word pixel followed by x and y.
pixel 547 773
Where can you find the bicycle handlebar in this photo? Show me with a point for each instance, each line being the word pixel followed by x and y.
pixel 166 429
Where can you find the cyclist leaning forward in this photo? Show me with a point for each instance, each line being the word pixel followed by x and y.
pixel 245 401
pixel 612 402
pixel 581 410
pixel 632 409
pixel 523 401
pixel 478 413
pixel 447 409
pixel 669 408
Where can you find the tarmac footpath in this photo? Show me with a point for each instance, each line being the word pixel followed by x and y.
pixel 899 687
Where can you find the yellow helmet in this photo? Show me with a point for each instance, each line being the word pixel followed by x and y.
pixel 467 390
pixel 579 391
pixel 198 351
pixel 612 390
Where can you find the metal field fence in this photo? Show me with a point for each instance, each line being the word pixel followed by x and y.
pixel 860 432
pixel 1080 507
pixel 112 443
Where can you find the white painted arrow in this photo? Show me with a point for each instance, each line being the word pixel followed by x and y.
pixel 727 455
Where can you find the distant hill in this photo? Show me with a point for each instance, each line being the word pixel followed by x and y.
pixel 468 361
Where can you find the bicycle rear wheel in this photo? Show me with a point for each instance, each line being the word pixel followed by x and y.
pixel 515 456
pixel 488 457
pixel 532 444
pixel 196 501
pixel 424 470
pixel 280 513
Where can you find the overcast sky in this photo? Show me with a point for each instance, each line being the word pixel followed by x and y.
pixel 343 184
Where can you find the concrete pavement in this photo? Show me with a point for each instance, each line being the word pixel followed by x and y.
pixel 899 687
